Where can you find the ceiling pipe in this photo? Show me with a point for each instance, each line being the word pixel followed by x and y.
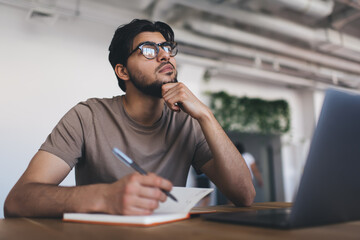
pixel 257 74
pixel 333 40
pixel 314 8
pixel 231 49
pixel 245 71
pixel 262 21
pixel 216 30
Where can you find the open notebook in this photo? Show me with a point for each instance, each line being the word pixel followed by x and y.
pixel 168 211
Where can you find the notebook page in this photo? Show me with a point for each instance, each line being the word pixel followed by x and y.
pixel 187 199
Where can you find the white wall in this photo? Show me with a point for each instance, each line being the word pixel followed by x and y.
pixel 45 70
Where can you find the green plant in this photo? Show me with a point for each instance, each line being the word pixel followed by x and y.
pixel 250 114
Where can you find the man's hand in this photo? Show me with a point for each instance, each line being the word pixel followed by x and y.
pixel 37 193
pixel 177 96
pixel 136 194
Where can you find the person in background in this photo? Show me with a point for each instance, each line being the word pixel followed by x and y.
pixel 158 122
pixel 250 162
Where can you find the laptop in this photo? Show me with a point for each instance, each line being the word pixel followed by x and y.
pixel 329 190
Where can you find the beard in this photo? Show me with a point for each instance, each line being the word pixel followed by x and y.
pixel 152 89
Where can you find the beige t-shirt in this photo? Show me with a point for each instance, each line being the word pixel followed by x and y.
pixel 86 135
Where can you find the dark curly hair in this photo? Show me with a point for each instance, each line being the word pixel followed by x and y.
pixel 121 44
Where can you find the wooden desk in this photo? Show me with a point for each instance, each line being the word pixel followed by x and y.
pixel 194 228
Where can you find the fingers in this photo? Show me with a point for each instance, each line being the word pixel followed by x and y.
pixel 139 194
pixel 152 180
pixel 175 94
pixel 135 205
pixel 148 186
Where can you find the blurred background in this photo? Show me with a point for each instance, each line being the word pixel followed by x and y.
pixel 262 66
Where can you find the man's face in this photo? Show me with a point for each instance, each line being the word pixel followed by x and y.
pixel 148 75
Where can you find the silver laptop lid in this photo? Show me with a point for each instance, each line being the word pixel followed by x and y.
pixel 329 189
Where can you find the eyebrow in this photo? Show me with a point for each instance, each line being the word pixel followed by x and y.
pixel 145 42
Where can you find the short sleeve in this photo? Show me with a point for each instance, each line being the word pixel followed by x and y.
pixel 67 138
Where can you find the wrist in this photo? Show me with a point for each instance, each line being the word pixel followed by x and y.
pixel 92 199
pixel 99 198
pixel 206 116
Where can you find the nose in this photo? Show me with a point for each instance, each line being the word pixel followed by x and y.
pixel 163 55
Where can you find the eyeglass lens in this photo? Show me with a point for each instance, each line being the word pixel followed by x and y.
pixel 150 50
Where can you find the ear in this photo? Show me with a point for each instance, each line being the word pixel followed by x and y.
pixel 121 72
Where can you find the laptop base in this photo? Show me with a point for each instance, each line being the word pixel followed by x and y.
pixel 272 218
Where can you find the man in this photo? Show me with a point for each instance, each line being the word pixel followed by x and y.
pixel 158 122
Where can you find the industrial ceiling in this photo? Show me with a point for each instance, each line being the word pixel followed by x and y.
pixel 297 43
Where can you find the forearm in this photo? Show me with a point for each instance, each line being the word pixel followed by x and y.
pixel 134 194
pixel 229 170
pixel 46 200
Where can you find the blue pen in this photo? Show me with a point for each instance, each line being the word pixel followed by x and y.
pixel 125 159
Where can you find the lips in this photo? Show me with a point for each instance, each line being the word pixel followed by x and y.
pixel 167 68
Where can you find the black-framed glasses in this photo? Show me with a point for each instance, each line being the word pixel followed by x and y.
pixel 150 50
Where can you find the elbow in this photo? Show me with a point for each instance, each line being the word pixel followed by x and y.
pixel 12 206
pixel 7 212
pixel 247 198
pixel 8 208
